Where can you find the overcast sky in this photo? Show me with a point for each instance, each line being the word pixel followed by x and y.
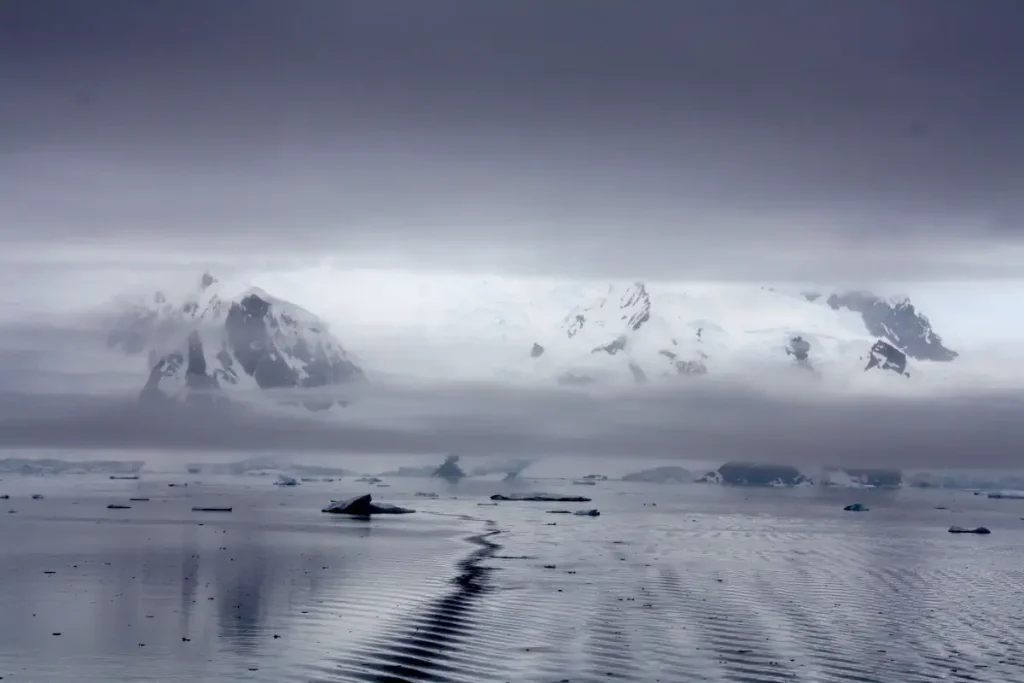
pixel 669 139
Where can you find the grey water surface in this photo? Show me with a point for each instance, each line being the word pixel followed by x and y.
pixel 669 583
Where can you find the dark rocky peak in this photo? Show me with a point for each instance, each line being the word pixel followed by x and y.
pixel 898 321
pixel 537 351
pixel 636 306
pixel 206 281
pixel 885 356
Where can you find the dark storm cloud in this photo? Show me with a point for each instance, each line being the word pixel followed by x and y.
pixel 713 422
pixel 654 138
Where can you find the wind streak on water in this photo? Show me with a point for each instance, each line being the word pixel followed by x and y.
pixel 709 584
pixel 742 587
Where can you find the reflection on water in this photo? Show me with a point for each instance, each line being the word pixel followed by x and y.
pixel 158 592
pixel 671 583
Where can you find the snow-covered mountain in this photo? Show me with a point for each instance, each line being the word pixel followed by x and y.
pixel 896 320
pixel 636 332
pixel 217 338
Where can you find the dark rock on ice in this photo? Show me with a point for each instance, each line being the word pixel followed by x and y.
pixel 799 348
pixel 885 356
pixel 363 506
pixel 540 498
pixel 960 530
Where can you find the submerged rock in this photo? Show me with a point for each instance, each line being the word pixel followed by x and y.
pixel 960 530
pixel 363 506
pixel 540 498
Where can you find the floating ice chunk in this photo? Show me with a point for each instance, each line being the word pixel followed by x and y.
pixel 283 480
pixel 540 497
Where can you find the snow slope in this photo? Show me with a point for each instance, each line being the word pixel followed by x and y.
pixel 636 333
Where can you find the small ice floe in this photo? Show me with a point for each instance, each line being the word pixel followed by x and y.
pixel 584 482
pixel 37 496
pixel 363 506
pixel 856 507
pixel 420 494
pixel 961 530
pixel 283 480
pixel 139 500
pixel 1014 495
pixel 588 513
pixel 118 506
pixel 127 477
pixel 369 480
pixel 5 497
pixel 211 509
pixel 540 498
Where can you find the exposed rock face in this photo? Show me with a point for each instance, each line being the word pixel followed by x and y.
pixel 885 356
pixel 537 351
pixel 760 474
pixel 899 322
pixel 215 340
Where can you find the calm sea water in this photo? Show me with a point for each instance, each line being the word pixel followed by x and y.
pixel 670 583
